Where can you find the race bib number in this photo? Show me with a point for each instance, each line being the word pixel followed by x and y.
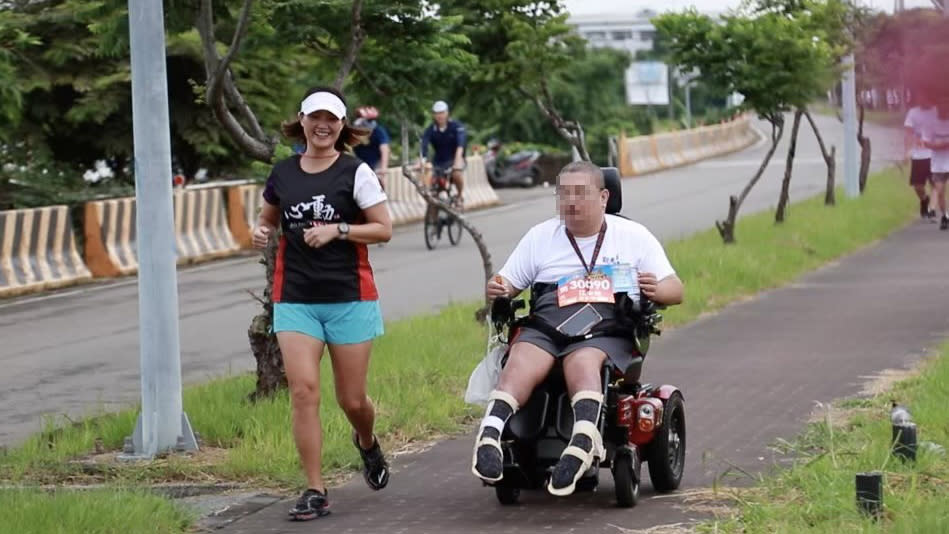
pixel 594 287
pixel 625 279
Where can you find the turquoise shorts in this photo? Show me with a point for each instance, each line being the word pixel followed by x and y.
pixel 336 323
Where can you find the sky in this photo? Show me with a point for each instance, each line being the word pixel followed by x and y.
pixel 591 7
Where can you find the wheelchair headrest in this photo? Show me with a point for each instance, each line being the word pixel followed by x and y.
pixel 611 179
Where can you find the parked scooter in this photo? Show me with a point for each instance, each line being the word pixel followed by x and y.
pixel 518 169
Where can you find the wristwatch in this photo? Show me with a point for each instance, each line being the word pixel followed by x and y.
pixel 343 228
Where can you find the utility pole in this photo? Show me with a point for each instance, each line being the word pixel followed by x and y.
pixel 851 157
pixel 162 424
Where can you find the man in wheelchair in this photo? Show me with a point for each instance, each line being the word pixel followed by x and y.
pixel 579 266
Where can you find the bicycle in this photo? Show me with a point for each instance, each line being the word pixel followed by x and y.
pixel 438 219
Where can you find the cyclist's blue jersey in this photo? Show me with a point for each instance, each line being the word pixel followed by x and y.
pixel 445 142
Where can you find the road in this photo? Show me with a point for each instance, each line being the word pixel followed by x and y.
pixel 76 352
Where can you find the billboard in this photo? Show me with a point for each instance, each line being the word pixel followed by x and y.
pixel 647 83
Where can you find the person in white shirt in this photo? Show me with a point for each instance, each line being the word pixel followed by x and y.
pixel 581 259
pixel 936 137
pixel 916 118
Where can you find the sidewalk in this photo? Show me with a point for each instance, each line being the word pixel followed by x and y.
pixel 750 374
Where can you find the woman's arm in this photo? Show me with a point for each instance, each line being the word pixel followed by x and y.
pixel 267 221
pixel 376 229
pixel 269 216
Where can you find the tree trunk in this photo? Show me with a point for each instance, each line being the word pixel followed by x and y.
pixel 270 374
pixel 357 39
pixel 779 215
pixel 572 131
pixel 829 159
pixel 222 94
pixel 864 162
pixel 727 227
pixel 433 201
pixel 830 196
pixel 864 152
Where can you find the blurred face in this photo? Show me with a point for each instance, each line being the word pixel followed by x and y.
pixel 440 118
pixel 321 129
pixel 580 202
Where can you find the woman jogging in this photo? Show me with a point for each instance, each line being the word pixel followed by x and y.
pixel 329 206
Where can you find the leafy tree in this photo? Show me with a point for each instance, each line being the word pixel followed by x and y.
pixel 832 23
pixel 770 59
pixel 593 88
pixel 522 46
pixel 72 92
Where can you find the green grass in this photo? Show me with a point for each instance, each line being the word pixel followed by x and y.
pixel 421 366
pixel 818 497
pixel 417 379
pixel 768 255
pixel 88 512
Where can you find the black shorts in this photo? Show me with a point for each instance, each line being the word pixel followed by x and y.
pixel 919 172
pixel 619 350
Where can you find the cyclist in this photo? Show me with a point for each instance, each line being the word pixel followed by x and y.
pixel 375 151
pixel 449 140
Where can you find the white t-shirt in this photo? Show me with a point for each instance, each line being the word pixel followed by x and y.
pixel 367 189
pixel 937 131
pixel 916 119
pixel 545 254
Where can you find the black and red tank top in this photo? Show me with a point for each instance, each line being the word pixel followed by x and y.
pixel 338 271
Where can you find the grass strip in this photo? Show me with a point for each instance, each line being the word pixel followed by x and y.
pixel 420 367
pixel 817 495
pixel 89 512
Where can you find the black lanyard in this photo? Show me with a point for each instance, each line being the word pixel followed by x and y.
pixel 596 249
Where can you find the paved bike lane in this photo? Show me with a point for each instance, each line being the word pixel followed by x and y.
pixel 750 374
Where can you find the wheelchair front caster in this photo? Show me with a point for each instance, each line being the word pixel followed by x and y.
pixel 507 495
pixel 626 477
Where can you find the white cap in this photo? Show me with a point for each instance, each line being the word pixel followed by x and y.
pixel 440 106
pixel 326 101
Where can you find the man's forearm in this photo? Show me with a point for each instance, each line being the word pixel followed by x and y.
pixel 669 291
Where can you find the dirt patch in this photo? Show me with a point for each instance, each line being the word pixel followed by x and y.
pixel 671 528
pixel 203 457
pixel 841 412
pixel 718 503
pixel 883 382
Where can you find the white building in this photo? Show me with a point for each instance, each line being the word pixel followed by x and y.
pixel 630 32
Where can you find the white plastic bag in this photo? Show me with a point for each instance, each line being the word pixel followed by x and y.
pixel 484 378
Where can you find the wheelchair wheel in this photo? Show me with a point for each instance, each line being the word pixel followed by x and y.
pixel 507 495
pixel 432 230
pixel 666 454
pixel 626 479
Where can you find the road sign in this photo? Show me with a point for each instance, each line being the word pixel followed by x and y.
pixel 647 83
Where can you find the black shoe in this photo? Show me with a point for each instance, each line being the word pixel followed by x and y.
pixel 311 505
pixel 944 222
pixel 924 210
pixel 375 469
